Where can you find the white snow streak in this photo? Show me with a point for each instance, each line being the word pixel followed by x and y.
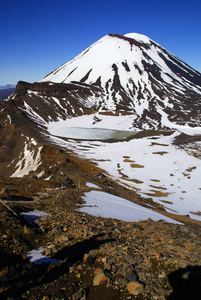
pixel 29 159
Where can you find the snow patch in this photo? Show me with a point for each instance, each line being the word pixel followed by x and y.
pixel 29 159
pixel 37 257
pixel 106 205
pixel 32 216
pixel 92 185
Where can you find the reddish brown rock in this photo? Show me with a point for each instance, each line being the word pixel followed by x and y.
pixel 99 277
pixel 135 288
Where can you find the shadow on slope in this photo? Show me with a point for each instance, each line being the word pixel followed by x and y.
pixel 186 283
pixel 23 275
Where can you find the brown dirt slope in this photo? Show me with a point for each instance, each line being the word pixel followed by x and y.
pixel 98 257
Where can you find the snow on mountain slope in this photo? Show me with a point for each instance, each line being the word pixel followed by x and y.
pixel 138 76
pixel 153 166
pixel 29 159
pixel 121 83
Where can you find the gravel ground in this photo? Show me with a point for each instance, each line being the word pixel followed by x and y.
pixel 98 257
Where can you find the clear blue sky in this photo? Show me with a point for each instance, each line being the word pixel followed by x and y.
pixel 38 36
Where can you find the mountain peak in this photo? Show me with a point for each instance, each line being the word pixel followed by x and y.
pixel 138 37
pixel 135 75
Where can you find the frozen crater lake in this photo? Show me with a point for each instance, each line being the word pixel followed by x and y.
pixel 95 134
pixel 152 164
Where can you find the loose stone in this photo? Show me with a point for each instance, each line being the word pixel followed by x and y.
pixel 135 288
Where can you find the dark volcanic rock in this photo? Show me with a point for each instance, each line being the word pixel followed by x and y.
pixel 101 256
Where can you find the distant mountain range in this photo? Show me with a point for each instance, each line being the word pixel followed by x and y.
pixel 118 75
pixel 6 91
pixel 7 86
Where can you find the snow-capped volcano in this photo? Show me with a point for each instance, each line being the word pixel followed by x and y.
pixel 135 75
pixel 95 106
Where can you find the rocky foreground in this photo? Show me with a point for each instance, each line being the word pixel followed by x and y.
pixel 97 258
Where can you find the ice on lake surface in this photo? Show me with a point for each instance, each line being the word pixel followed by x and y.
pixel 93 133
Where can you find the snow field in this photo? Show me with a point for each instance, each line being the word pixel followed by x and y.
pixel 152 166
